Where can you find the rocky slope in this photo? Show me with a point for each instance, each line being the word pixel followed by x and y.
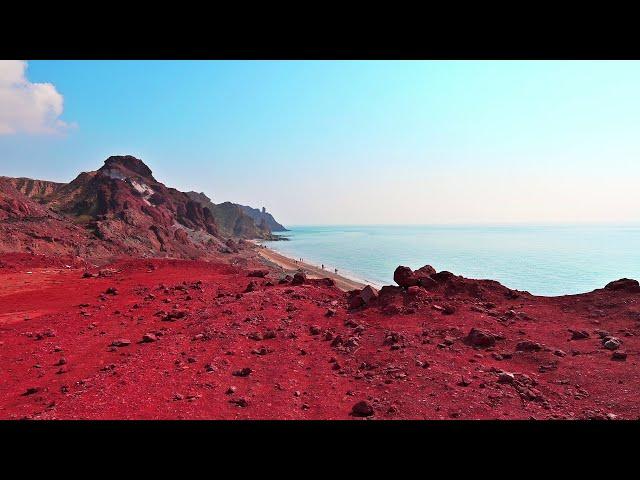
pixel 120 209
pixel 147 339
pixel 29 227
pixel 39 190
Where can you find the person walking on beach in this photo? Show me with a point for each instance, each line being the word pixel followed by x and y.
pixel 336 270
pixel 323 266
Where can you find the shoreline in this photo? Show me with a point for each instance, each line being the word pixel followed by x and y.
pixel 290 266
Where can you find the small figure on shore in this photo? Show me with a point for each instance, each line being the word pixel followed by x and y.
pixel 323 266
pixel 336 270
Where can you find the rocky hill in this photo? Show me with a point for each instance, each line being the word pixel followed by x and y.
pixel 262 217
pixel 38 190
pixel 238 220
pixel 120 209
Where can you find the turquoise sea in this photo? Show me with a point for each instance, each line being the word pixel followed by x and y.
pixel 544 260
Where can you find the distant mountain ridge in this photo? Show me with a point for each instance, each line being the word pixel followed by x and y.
pixel 260 216
pixel 122 209
pixel 240 220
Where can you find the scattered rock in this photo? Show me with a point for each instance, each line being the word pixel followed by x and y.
pixel 31 391
pixel 260 273
pixel 404 277
pixel 624 284
pixel 480 338
pixel 299 278
pixel 368 294
pixel 240 402
pixel 528 346
pixel 362 409
pixel 149 338
pixel 121 342
pixel 579 334
pixel 448 310
pixel 355 301
pixel 173 316
pixel 619 355
pixel 413 290
pixel 245 372
pixel 506 377
pixel 611 343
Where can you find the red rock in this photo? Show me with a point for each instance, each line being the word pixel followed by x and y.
pixel 261 273
pixel 443 276
pixel 404 277
pixel 625 284
pixel 579 334
pixel 480 338
pixel 528 346
pixel 425 271
pixel 121 342
pixel 368 294
pixel 619 355
pixel 413 290
pixel 611 343
pixel 362 409
pixel 299 278
pixel 426 282
pixel 449 310
pixel 356 301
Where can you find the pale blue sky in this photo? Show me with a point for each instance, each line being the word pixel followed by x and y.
pixel 355 142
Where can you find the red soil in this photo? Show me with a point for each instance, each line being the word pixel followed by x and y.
pixel 402 354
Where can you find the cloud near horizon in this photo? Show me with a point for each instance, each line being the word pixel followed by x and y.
pixel 26 107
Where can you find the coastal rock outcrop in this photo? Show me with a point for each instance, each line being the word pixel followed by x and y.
pixel 404 277
pixel 624 284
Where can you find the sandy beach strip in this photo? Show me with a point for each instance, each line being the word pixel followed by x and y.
pixel 290 266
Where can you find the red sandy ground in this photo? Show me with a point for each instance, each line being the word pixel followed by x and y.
pixel 423 370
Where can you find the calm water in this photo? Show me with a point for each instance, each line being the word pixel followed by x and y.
pixel 550 260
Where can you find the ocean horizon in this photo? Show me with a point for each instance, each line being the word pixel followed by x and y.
pixel 543 259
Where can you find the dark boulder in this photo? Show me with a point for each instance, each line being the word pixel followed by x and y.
pixel 260 273
pixel 362 409
pixel 480 338
pixel 443 276
pixel 299 278
pixel 425 271
pixel 404 277
pixel 368 294
pixel 624 284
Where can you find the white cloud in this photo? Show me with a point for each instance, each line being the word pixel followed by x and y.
pixel 26 107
